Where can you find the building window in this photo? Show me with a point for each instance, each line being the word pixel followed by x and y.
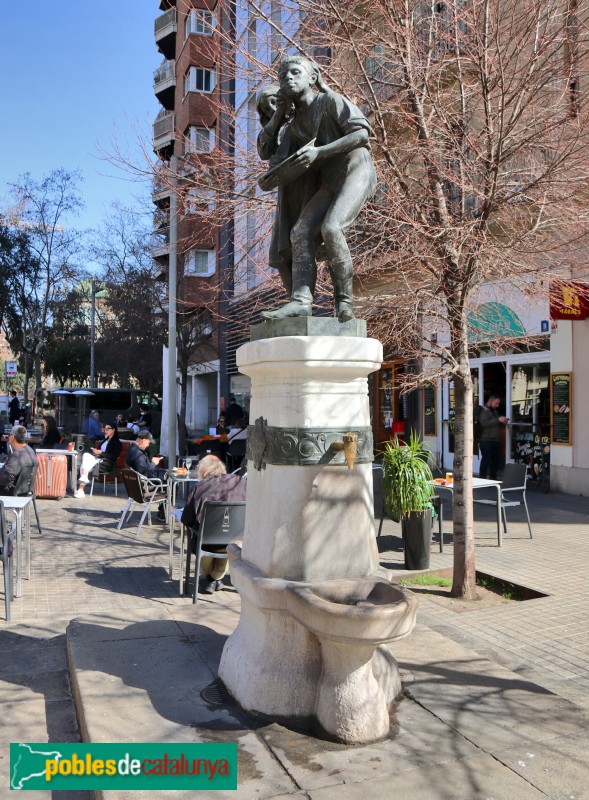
pixel 199 140
pixel 200 262
pixel 199 201
pixel 198 79
pixel 200 21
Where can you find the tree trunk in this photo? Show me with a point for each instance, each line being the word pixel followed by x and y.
pixel 464 579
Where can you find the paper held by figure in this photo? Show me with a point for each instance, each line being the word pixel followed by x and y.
pixel 285 172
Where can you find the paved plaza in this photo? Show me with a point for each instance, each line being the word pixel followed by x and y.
pixel 496 698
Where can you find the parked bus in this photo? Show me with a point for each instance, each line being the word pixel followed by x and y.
pixel 72 410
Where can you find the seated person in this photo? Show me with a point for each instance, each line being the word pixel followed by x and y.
pixel 214 484
pixel 239 432
pixel 21 456
pixel 145 418
pixel 94 427
pixel 138 459
pixel 100 459
pixel 221 425
pixel 52 436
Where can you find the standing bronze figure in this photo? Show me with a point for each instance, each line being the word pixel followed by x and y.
pixel 317 143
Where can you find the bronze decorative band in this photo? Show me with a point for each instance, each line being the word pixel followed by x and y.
pixel 303 446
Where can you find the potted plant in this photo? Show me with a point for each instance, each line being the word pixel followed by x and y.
pixel 408 492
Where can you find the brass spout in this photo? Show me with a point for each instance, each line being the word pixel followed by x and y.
pixel 349 445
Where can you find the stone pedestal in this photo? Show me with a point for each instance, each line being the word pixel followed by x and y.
pixel 309 520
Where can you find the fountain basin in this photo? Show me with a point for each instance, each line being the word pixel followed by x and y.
pixel 314 653
pixel 367 611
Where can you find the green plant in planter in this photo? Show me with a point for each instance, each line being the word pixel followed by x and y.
pixel 407 477
pixel 408 491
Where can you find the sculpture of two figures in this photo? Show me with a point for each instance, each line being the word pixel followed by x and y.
pixel 317 143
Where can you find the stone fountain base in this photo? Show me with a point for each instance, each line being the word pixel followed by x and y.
pixel 316 607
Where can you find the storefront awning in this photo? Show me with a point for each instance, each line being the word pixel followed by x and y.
pixel 492 321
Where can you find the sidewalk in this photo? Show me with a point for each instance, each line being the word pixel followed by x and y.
pixel 495 703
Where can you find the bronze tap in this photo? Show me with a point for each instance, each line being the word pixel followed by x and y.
pixel 349 444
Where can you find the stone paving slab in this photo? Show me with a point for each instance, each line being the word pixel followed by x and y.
pixel 83 567
pixel 458 711
pixel 476 778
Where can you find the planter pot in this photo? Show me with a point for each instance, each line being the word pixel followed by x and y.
pixel 417 537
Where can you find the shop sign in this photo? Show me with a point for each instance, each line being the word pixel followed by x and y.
pixel 569 300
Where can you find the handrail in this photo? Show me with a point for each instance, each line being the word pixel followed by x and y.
pixel 167 18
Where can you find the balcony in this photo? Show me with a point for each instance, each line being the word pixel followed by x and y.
pixel 164 84
pixel 164 133
pixel 165 29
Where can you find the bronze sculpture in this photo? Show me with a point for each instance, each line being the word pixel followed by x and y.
pixel 317 145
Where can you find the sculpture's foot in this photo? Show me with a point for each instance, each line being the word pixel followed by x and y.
pixel 292 309
pixel 344 312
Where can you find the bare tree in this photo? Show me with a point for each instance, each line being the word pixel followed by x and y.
pixel 43 208
pixel 480 140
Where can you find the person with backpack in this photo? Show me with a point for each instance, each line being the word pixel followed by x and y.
pixel 488 424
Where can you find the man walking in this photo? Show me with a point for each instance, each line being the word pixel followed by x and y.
pixel 14 409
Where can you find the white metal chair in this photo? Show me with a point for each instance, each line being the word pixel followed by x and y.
pixel 222 522
pixel 514 482
pixel 143 492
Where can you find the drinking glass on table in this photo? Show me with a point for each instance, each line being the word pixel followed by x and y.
pixel 188 464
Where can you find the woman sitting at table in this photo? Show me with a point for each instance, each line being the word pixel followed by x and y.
pixel 100 460
pixel 213 484
pixel 221 425
pixel 52 436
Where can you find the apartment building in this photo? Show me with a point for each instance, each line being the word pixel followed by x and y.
pixel 191 136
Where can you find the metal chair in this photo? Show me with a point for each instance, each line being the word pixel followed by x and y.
pixel 25 487
pixel 102 476
pixel 235 454
pixel 514 480
pixel 143 492
pixel 6 548
pixel 222 522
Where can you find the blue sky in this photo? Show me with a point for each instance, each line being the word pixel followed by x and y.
pixel 76 74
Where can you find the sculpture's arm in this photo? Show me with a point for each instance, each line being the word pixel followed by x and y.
pixel 268 136
pixel 346 144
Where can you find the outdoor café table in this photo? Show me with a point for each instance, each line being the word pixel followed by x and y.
pixel 73 463
pixel 175 480
pixel 479 483
pixel 20 507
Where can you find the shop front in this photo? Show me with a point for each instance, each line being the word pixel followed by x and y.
pixel 522 382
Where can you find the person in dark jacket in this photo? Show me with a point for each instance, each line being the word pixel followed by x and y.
pixel 101 458
pixel 138 459
pixel 22 456
pixel 233 413
pixel 141 461
pixel 52 435
pixel 490 438
pixel 14 409
pixel 214 484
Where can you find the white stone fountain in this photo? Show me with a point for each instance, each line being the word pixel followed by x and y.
pixel 316 606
